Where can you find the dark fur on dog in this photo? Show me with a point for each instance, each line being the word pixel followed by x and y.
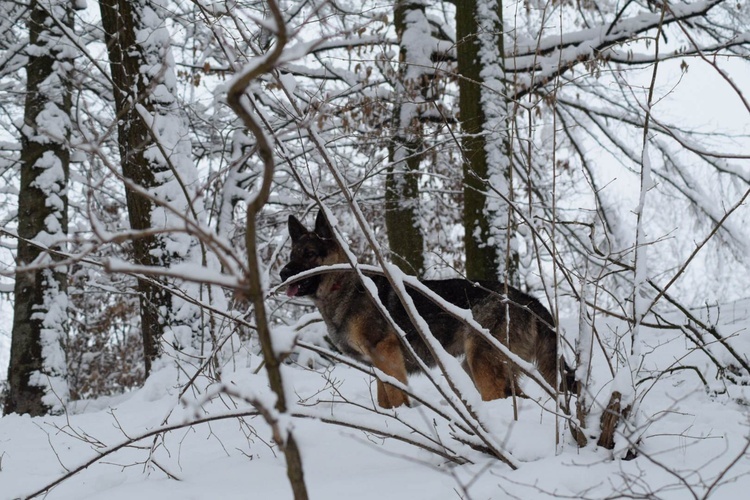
pixel 358 328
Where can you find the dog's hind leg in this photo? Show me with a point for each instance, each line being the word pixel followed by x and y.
pixel 488 368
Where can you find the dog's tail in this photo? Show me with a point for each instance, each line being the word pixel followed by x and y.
pixel 568 378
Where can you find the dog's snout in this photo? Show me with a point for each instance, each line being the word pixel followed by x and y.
pixel 285 274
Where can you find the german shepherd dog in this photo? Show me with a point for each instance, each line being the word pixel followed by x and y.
pixel 357 327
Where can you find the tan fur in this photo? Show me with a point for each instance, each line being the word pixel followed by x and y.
pixel 488 369
pixel 384 355
pixel 387 356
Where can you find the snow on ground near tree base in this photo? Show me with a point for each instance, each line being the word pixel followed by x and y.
pixel 690 440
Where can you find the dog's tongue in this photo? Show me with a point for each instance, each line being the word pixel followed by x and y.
pixel 292 290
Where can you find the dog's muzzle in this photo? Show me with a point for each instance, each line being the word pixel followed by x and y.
pixel 285 274
pixel 299 288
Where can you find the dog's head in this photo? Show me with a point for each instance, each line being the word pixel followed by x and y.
pixel 310 249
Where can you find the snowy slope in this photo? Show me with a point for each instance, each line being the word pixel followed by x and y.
pixel 691 440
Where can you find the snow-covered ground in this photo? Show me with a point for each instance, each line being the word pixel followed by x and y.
pixel 693 442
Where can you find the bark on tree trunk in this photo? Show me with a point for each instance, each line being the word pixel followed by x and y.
pixel 37 363
pixel 484 240
pixel 405 238
pixel 613 415
pixel 402 218
pixel 120 22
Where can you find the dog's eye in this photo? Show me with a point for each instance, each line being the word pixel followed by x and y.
pixel 309 254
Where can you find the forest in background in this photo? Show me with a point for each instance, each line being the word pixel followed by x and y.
pixel 152 152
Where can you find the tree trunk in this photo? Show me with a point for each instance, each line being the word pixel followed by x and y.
pixel 483 115
pixel 402 216
pixel 402 220
pixel 37 370
pixel 122 21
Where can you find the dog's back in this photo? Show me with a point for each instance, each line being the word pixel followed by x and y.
pixel 530 334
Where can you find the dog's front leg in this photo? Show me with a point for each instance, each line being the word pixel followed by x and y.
pixel 388 357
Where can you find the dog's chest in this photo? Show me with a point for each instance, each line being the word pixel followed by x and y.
pixel 354 328
pixel 350 340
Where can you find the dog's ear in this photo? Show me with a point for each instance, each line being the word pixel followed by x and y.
pixel 322 228
pixel 296 229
